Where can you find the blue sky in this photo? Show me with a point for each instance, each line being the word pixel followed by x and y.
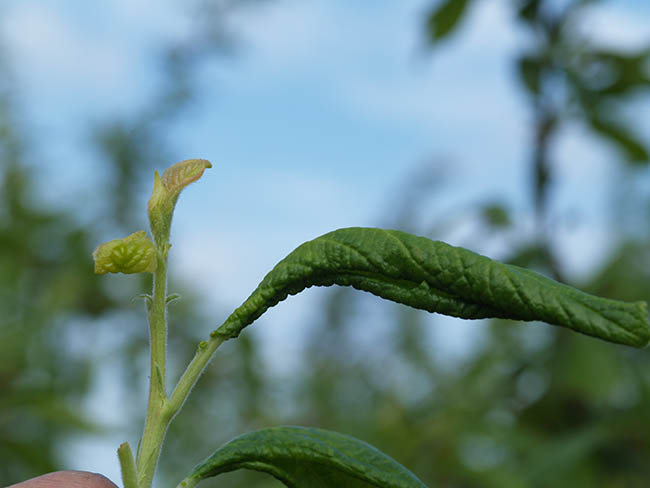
pixel 311 127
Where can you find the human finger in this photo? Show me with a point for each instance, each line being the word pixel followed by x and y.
pixel 67 479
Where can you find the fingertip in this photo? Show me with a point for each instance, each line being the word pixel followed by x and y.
pixel 96 480
pixel 68 479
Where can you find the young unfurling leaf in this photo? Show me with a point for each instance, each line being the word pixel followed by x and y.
pixel 166 190
pixel 178 176
pixel 133 254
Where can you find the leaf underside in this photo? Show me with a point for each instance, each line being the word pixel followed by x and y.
pixel 178 176
pixel 307 458
pixel 434 276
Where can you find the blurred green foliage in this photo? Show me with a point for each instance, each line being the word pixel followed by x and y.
pixel 531 406
pixel 44 283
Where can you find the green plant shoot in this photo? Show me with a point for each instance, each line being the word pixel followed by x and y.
pixel 411 270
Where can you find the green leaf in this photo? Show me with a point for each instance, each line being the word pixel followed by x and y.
pixel 633 147
pixel 529 10
pixel 434 276
pixel 496 215
pixel 530 73
pixel 307 458
pixel 133 254
pixel 623 71
pixel 172 297
pixel 445 18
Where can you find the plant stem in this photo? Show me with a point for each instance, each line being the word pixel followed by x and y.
pixel 129 476
pixel 160 409
pixel 201 359
pixel 157 419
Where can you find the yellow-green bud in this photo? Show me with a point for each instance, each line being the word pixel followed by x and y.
pixel 178 176
pixel 165 194
pixel 133 254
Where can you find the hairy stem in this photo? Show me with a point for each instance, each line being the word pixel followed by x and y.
pixel 157 419
pixel 160 409
pixel 201 359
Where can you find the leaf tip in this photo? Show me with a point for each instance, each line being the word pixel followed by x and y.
pixel 178 176
pixel 166 189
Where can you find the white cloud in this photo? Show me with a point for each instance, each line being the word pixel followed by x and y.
pixel 151 18
pixel 283 35
pixel 368 66
pixel 621 26
pixel 446 85
pixel 292 39
pixel 53 50
pixel 74 62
